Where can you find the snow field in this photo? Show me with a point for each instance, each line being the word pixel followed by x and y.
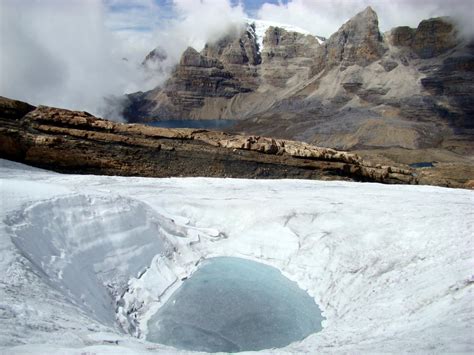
pixel 87 260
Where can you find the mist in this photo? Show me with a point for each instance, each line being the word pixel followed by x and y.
pixel 324 17
pixel 78 55
pixel 59 53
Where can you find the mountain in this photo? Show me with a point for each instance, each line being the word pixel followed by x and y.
pixel 409 89
pixel 205 84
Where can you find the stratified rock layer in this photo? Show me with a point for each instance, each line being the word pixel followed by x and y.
pixel 358 41
pixel 432 37
pixel 77 142
pixel 286 54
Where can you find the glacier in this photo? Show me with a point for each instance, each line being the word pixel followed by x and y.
pixel 88 260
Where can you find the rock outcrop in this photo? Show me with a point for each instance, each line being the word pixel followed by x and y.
pixel 220 71
pixel 451 84
pixel 232 49
pixel 77 142
pixel 357 42
pixel 432 37
pixel 286 54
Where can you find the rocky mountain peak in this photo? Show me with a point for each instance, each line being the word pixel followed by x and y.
pixel 287 44
pixel 431 38
pixel 368 13
pixel 358 41
pixel 240 48
pixel 156 55
pixel 286 54
pixel 192 58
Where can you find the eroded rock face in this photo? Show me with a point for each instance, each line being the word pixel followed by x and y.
pixel 14 109
pixel 402 36
pixel 224 69
pixel 220 71
pixel 358 41
pixel 195 78
pixel 281 44
pixel 77 142
pixel 432 37
pixel 286 54
pixel 223 81
pixel 452 85
pixel 232 49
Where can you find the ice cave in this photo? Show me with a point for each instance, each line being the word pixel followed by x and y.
pixel 232 304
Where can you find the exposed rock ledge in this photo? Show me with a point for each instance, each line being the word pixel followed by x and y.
pixel 77 142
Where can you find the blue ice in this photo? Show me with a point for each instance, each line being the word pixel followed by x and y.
pixel 232 304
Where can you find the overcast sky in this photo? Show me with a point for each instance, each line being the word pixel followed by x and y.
pixel 73 53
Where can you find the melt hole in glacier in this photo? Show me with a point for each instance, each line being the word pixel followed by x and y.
pixel 232 304
pixel 90 248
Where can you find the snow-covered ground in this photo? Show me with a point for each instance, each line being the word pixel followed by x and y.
pixel 84 257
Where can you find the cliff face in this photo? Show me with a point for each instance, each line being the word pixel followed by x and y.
pixel 286 55
pixel 432 37
pixel 357 42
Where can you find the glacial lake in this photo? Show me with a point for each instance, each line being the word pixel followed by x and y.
pixel 422 164
pixel 231 304
pixel 201 124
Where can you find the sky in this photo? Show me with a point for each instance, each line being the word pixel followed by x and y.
pixel 76 53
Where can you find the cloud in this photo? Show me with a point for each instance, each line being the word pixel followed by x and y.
pixel 198 22
pixel 72 53
pixel 60 53
pixel 324 17
pixel 132 15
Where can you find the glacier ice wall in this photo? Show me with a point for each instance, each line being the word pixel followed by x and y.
pixel 89 247
pixel 390 266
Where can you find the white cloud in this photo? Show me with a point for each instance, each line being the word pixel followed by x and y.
pixel 60 53
pixel 70 53
pixel 324 17
pixel 139 15
pixel 195 23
